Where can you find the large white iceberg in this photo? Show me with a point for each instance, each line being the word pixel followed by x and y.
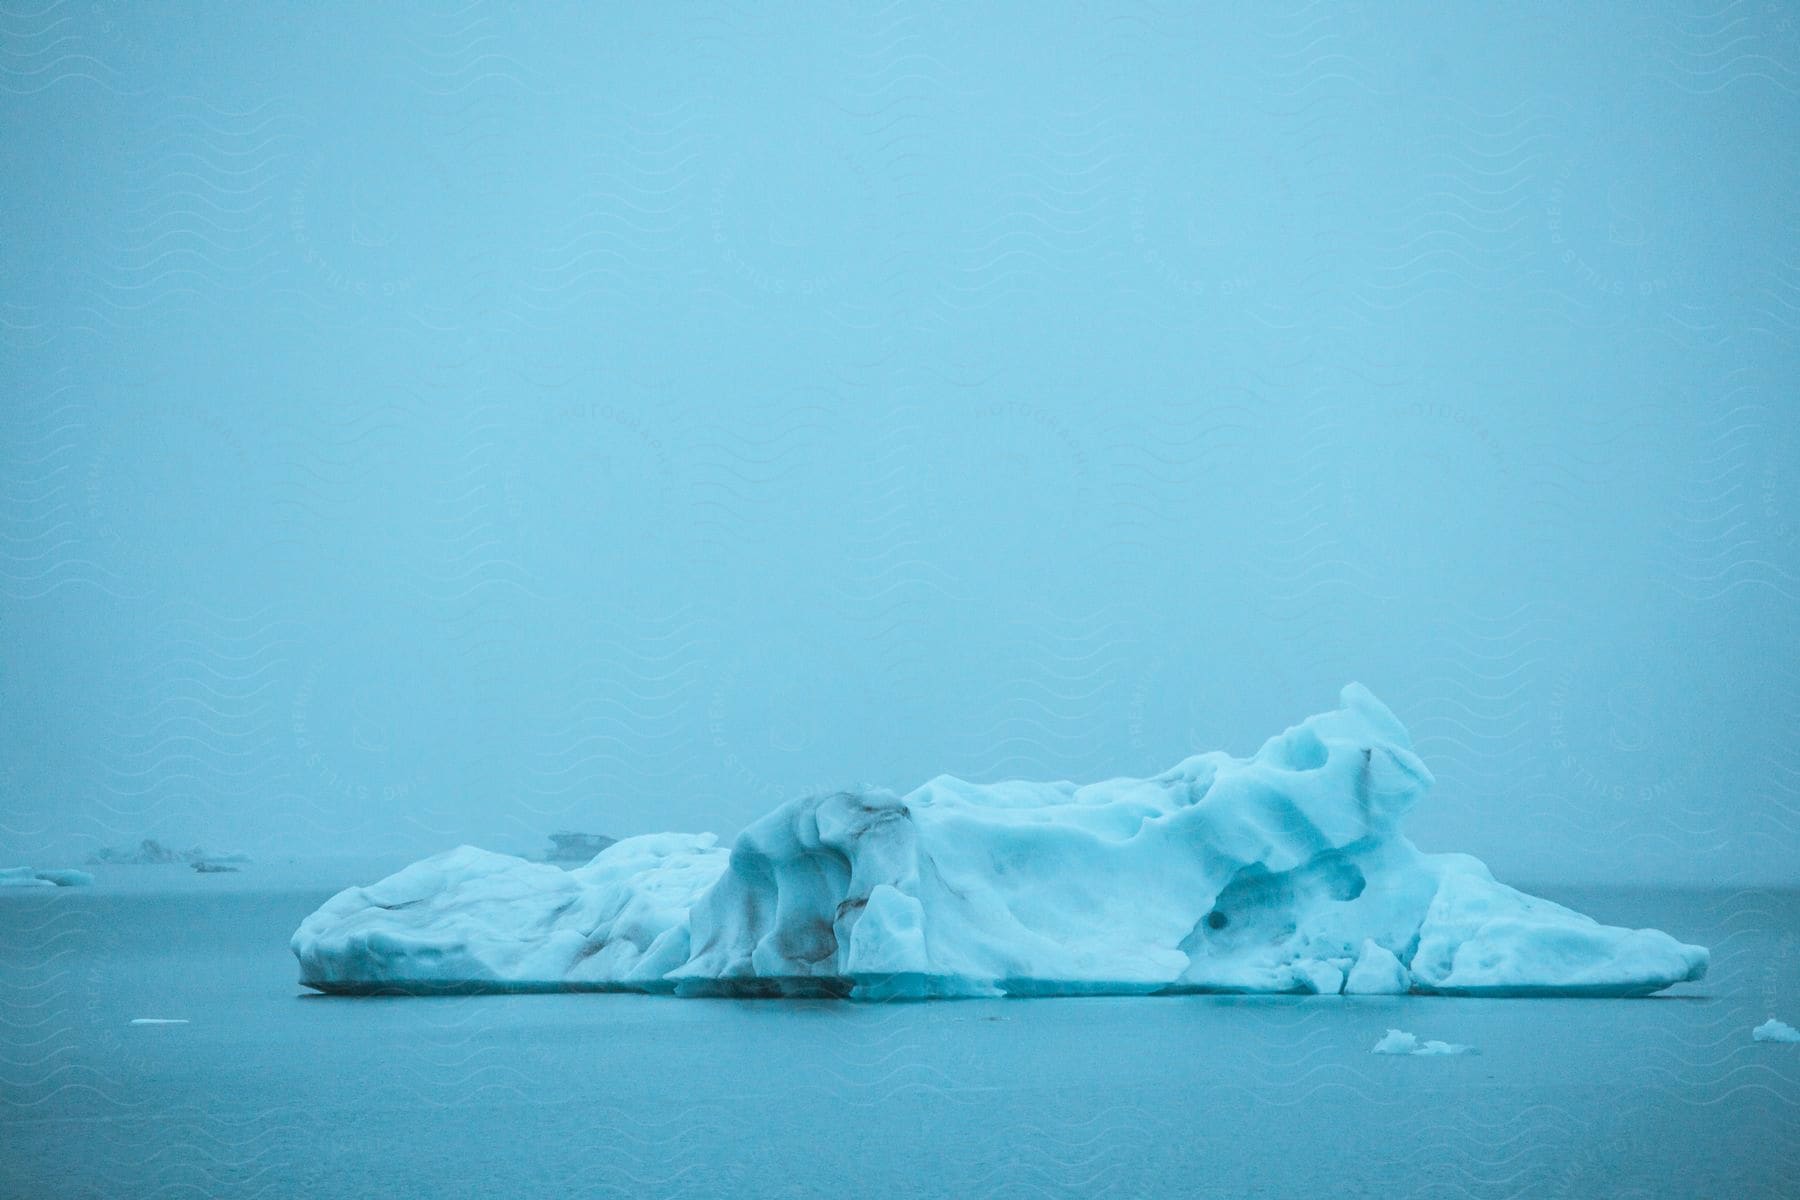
pixel 1282 872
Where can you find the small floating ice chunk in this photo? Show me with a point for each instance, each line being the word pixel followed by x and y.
pixel 22 877
pixel 159 1021
pixel 1437 1048
pixel 1398 1041
pixel 55 877
pixel 67 877
pixel 1772 1030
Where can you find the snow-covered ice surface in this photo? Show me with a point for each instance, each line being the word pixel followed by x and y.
pixel 1282 872
pixel 1772 1030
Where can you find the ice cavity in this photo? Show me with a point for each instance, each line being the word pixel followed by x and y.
pixel 1282 872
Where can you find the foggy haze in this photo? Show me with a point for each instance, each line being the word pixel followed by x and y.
pixel 473 428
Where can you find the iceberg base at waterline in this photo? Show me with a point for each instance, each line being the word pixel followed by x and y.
pixel 1282 872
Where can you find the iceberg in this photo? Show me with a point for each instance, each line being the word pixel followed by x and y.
pixel 1772 1030
pixel 1282 872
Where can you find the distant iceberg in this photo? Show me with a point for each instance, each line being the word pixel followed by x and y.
pixel 1283 872
pixel 576 849
pixel 1772 1030
pixel 152 853
pixel 56 877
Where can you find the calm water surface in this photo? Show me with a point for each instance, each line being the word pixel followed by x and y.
pixel 270 1091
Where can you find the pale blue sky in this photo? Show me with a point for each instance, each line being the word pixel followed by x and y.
pixel 449 424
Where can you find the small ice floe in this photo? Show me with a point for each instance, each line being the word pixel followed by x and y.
pixel 1398 1041
pixel 22 877
pixel 159 1020
pixel 59 877
pixel 1772 1030
pixel 67 877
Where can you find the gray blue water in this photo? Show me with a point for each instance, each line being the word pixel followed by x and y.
pixel 268 1090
